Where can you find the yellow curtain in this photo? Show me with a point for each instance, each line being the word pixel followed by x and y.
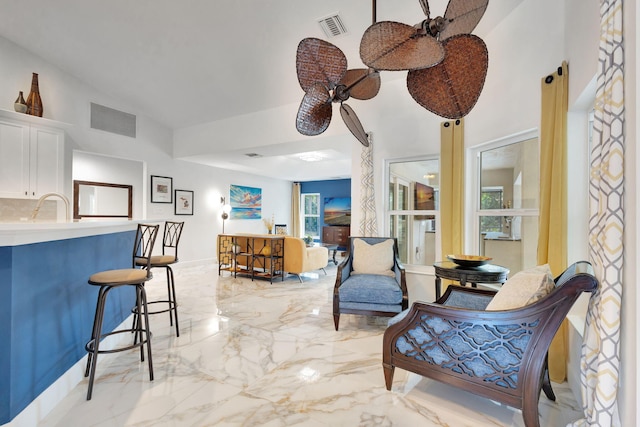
pixel 295 210
pixel 452 186
pixel 552 239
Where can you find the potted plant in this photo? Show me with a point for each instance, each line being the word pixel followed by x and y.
pixel 308 240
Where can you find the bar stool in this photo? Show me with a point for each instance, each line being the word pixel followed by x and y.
pixel 172 233
pixel 111 279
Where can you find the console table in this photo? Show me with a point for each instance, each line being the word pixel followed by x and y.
pixel 487 273
pixel 255 256
pixel 336 234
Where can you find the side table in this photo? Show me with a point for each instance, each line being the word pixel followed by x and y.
pixel 332 247
pixel 487 273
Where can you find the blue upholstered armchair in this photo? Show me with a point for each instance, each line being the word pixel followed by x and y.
pixel 371 280
pixel 500 354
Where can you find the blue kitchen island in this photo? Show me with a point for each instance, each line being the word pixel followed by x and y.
pixel 46 304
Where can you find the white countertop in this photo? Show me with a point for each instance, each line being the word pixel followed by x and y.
pixel 24 233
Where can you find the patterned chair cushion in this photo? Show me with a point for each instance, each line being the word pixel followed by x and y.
pixel 524 288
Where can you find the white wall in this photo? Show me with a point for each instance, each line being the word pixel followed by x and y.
pixel 67 99
pixel 112 170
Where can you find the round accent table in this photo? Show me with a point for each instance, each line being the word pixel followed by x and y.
pixel 487 273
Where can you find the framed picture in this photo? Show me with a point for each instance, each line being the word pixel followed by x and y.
pixel 423 200
pixel 161 189
pixel 184 202
pixel 281 229
pixel 246 202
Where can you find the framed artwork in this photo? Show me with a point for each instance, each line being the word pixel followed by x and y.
pixel 337 210
pixel 280 229
pixel 423 200
pixel 246 202
pixel 161 189
pixel 184 202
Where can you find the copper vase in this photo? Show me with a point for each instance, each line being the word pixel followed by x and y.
pixel 34 102
pixel 20 105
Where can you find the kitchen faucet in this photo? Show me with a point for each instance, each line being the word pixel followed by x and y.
pixel 44 197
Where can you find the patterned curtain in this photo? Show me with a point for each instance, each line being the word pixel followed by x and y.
pixel 600 363
pixel 368 221
pixel 295 210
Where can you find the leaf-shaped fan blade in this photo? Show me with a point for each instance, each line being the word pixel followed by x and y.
pixel 425 7
pixel 395 46
pixel 314 114
pixel 451 88
pixel 462 16
pixel 366 83
pixel 318 61
pixel 353 123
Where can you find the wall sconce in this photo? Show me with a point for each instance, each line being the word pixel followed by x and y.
pixel 226 209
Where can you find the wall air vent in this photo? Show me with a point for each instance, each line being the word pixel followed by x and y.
pixel 114 121
pixel 252 155
pixel 333 25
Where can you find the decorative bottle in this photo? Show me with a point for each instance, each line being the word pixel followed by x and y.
pixel 20 105
pixel 34 102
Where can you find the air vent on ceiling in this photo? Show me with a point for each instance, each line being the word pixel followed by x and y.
pixel 333 25
pixel 253 155
pixel 114 121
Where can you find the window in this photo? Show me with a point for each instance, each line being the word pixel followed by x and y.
pixel 412 208
pixel 491 198
pixel 507 202
pixel 310 215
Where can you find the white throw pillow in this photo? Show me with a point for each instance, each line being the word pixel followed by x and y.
pixel 373 259
pixel 524 288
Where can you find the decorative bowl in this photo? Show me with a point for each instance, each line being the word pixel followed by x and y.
pixel 469 260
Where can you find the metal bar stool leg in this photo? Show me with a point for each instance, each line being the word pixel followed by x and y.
pixel 147 331
pixel 93 346
pixel 94 334
pixel 170 301
pixel 172 297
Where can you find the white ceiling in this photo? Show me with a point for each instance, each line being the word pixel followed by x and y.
pixel 186 63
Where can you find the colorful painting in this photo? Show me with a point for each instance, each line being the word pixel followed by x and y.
pixel 423 200
pixel 246 202
pixel 337 210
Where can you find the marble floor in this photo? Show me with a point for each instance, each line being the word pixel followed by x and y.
pixel 260 354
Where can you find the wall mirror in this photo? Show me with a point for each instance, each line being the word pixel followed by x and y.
pixel 102 200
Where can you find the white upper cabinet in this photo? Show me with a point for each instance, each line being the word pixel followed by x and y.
pixel 31 159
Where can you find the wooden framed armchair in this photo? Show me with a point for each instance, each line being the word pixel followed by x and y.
pixel 500 355
pixel 371 280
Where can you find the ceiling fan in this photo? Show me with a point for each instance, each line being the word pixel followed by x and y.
pixel 322 73
pixel 447 65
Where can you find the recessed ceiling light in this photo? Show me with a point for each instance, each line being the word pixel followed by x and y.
pixel 311 157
